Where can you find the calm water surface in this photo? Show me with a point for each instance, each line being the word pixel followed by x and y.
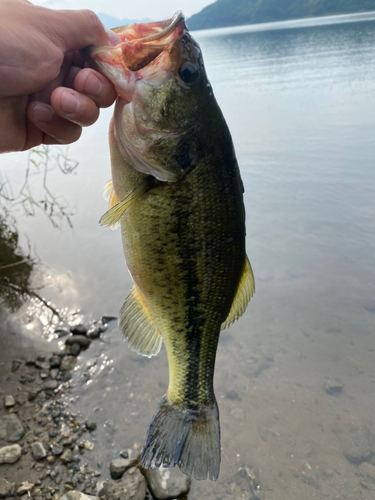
pixel 300 102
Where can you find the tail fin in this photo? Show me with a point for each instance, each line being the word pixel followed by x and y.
pixel 183 437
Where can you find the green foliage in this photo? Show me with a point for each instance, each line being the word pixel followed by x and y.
pixel 232 13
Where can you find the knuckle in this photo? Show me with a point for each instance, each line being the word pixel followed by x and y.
pixel 92 20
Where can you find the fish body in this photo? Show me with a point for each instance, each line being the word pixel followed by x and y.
pixel 178 196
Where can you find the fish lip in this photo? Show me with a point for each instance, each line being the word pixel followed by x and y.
pixel 173 22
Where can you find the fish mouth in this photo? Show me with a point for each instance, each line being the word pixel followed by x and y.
pixel 140 44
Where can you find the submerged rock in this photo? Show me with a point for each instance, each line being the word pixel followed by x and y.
pixel 10 454
pixel 132 486
pixel 78 330
pixel 11 428
pixel 167 483
pixel 333 388
pixel 78 339
pixel 68 363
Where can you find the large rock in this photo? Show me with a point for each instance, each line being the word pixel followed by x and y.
pixel 132 486
pixel 120 465
pixel 167 483
pixel 11 428
pixel 6 488
pixel 10 454
pixel 357 440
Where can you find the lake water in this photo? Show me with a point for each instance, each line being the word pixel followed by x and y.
pixel 295 377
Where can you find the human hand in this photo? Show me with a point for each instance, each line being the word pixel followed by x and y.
pixel 46 95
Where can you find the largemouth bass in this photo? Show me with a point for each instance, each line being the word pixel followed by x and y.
pixel 178 196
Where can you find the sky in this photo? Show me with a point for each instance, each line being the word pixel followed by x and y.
pixel 138 9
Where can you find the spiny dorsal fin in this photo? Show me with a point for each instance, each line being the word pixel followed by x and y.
pixel 245 291
pixel 115 213
pixel 138 325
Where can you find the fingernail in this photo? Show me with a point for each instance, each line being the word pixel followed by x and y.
pixel 69 103
pixel 92 85
pixel 42 112
pixel 113 38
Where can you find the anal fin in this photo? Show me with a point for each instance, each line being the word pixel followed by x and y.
pixel 138 325
pixel 245 291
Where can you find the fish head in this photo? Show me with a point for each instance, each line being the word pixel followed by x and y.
pixel 159 75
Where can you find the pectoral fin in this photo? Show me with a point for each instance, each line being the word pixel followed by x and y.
pixel 114 214
pixel 245 291
pixel 138 325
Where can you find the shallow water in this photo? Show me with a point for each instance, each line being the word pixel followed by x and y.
pixel 299 101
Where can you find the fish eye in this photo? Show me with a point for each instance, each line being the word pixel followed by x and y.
pixel 188 72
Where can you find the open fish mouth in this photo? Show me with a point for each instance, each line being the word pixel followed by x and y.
pixel 140 43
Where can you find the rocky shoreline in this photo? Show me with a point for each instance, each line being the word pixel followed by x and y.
pixel 43 441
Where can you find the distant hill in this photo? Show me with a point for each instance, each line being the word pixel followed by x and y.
pixel 112 22
pixel 235 12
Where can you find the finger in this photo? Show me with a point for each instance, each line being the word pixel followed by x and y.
pixel 45 119
pixel 96 86
pixel 70 76
pixel 76 29
pixel 74 106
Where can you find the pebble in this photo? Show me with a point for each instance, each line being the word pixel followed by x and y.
pixel 94 332
pixel 25 488
pixel 77 495
pixel 21 398
pixel 55 448
pixel 75 349
pixel 132 486
pixel 11 428
pixel 43 365
pixel 9 401
pixel 118 466
pixel 5 488
pixel 78 339
pixel 67 457
pixel 16 363
pixel 333 388
pixel 68 363
pixel 62 332
pixel 38 450
pixel 90 425
pixel 43 374
pixel 167 483
pixel 54 361
pixel 78 330
pixel 50 385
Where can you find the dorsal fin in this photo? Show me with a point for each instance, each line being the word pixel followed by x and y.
pixel 138 325
pixel 245 291
pixel 114 214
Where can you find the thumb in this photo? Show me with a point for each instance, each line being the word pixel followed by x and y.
pixel 76 29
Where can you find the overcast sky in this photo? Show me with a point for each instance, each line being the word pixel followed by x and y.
pixel 135 9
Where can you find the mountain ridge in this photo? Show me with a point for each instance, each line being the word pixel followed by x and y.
pixel 229 13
